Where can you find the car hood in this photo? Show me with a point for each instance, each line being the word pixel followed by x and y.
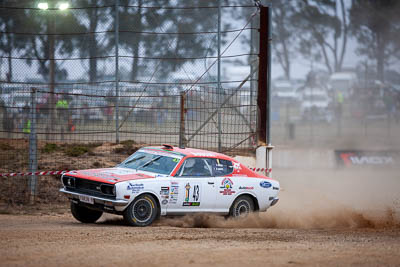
pixel 110 175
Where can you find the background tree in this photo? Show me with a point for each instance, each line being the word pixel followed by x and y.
pixel 323 30
pixel 376 25
pixel 49 24
pixel 284 34
pixel 90 45
pixel 10 43
pixel 135 20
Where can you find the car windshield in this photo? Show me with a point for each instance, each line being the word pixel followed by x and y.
pixel 152 161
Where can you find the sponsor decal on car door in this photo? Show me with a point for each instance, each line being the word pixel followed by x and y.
pixel 227 188
pixel 193 189
pixel 191 194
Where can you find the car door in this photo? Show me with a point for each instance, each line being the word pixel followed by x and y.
pixel 193 188
pixel 226 185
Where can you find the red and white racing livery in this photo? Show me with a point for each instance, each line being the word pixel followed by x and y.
pixel 168 180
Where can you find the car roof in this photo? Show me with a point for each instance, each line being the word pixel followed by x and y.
pixel 190 152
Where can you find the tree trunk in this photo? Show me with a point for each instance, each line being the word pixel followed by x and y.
pixel 135 60
pixel 380 56
pixel 93 44
pixel 286 66
pixel 345 32
pixel 10 44
pixel 335 43
pixel 136 44
pixel 326 59
pixel 9 74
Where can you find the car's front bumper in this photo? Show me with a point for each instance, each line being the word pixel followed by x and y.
pixel 97 200
pixel 274 201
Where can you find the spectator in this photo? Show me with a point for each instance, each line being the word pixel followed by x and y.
pixel 26 122
pixel 339 105
pixel 62 111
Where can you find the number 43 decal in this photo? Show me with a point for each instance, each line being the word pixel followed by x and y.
pixel 196 193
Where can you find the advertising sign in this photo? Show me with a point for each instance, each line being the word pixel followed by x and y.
pixel 364 158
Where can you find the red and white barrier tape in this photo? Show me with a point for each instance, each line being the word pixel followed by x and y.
pixel 32 173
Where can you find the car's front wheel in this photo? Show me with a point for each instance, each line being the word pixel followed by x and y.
pixel 242 207
pixel 142 211
pixel 84 214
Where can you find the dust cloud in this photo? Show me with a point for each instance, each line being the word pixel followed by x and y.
pixel 319 199
pixel 328 219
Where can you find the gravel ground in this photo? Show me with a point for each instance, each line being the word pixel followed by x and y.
pixel 58 240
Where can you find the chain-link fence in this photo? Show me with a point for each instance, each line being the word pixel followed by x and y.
pixel 85 84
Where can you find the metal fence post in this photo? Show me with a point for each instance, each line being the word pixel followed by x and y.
pixel 268 134
pixel 251 79
pixel 264 83
pixel 182 139
pixel 117 71
pixel 33 147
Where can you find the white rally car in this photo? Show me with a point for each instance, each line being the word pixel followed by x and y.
pixel 168 180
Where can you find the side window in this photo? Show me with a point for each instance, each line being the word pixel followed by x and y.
pixel 222 167
pixel 200 167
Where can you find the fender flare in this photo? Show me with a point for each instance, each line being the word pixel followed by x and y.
pixel 155 195
pixel 251 194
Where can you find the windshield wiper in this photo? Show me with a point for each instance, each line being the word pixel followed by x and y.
pixel 149 162
pixel 132 160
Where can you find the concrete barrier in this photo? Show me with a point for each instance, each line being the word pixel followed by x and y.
pixel 292 158
pixel 319 158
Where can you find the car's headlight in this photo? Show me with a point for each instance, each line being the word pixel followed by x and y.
pixel 68 181
pixel 107 189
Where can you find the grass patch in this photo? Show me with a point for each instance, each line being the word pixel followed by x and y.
pixel 6 211
pixel 96 164
pixel 94 145
pixel 5 147
pixel 128 142
pixel 72 150
pixel 50 148
pixel 76 150
pixel 127 148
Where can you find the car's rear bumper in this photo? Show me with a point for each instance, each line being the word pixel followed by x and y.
pixel 97 200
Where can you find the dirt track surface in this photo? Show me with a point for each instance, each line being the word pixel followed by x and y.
pixel 58 240
pixel 323 218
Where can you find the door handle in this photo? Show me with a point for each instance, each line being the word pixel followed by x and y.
pixel 210 182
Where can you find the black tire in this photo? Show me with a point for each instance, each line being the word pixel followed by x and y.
pixel 84 214
pixel 142 211
pixel 242 207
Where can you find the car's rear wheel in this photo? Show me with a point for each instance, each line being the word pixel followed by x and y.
pixel 142 211
pixel 242 207
pixel 84 214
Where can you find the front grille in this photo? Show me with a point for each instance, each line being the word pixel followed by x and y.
pixel 89 187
